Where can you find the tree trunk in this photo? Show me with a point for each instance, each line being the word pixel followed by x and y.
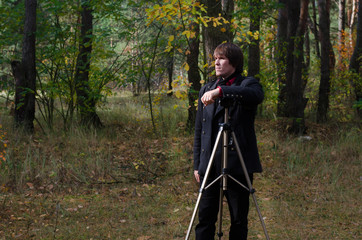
pixel 292 25
pixel 341 28
pixel 86 102
pixel 341 20
pixel 193 76
pixel 281 57
pixel 307 52
pixel 315 30
pixel 296 100
pixel 25 73
pixel 227 12
pixel 324 87
pixel 254 49
pixel 170 65
pixel 356 61
pixel 351 13
pixel 213 36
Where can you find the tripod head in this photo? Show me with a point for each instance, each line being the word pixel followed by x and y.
pixel 226 102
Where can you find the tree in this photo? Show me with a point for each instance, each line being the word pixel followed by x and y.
pixel 170 66
pixel 213 34
pixel 326 61
pixel 25 72
pixel 227 8
pixel 148 74
pixel 192 59
pixel 315 29
pixel 341 24
pixel 356 61
pixel 86 100
pixel 254 48
pixel 297 102
pixel 292 96
pixel 282 35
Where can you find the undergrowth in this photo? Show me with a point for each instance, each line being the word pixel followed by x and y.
pixel 125 181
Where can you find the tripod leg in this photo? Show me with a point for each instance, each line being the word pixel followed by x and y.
pixel 249 184
pixel 223 184
pixel 202 188
pixel 219 232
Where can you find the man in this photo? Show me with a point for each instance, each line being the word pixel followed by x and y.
pixel 245 93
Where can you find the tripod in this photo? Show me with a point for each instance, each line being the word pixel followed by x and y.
pixel 224 130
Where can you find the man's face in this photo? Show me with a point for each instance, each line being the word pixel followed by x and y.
pixel 222 66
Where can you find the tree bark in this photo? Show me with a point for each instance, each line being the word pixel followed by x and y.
pixel 293 18
pixel 315 30
pixel 356 61
pixel 193 75
pixel 282 35
pixel 296 100
pixel 86 101
pixel 25 73
pixel 341 30
pixel 213 36
pixel 227 12
pixel 341 20
pixel 170 66
pixel 326 63
pixel 254 49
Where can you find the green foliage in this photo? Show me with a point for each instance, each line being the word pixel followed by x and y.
pixel 11 25
pixel 123 42
pixel 358 104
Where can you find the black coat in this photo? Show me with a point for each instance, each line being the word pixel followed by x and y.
pixel 245 93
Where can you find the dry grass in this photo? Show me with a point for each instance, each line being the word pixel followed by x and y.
pixel 123 182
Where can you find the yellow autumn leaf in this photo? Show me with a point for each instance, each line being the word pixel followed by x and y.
pixel 187 33
pixel 223 30
pixel 178 94
pixel 168 48
pixel 187 67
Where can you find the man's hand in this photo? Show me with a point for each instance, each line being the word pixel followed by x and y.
pixel 210 96
pixel 197 175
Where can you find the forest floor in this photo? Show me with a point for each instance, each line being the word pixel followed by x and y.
pixel 125 183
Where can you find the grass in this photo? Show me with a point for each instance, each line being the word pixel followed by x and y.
pixel 125 182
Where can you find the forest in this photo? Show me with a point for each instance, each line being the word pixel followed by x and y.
pixel 98 103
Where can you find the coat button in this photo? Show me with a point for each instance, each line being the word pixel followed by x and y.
pixel 203 132
pixel 202 150
pixel 204 119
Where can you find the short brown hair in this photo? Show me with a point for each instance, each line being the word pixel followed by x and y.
pixel 233 53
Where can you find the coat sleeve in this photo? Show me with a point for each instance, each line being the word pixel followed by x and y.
pixel 250 92
pixel 198 129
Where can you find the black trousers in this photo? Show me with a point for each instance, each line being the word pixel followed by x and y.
pixel 238 202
